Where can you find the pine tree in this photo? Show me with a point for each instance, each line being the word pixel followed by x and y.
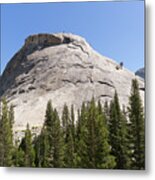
pixel 91 125
pixel 43 144
pixel 29 153
pixel 106 110
pixel 81 138
pixel 118 135
pixel 18 156
pixel 65 118
pixel 49 116
pixel 6 135
pixel 98 146
pixel 45 149
pixel 93 149
pixel 51 140
pixel 73 122
pixel 37 148
pixel 69 150
pixel 57 141
pixel 82 119
pixel 42 147
pixel 69 137
pixel 103 157
pixel 136 117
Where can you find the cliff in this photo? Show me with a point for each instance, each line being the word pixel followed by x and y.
pixel 64 68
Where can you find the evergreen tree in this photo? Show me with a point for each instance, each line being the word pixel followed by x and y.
pixel 41 147
pixel 93 148
pixel 91 141
pixel 73 122
pixel 6 135
pixel 82 120
pixel 65 118
pixel 136 117
pixel 104 159
pixel 98 146
pixel 57 141
pixel 43 143
pixel 29 153
pixel 69 149
pixel 69 137
pixel 37 149
pixel 106 109
pixel 18 156
pixel 81 138
pixel 118 135
pixel 51 140
pixel 49 116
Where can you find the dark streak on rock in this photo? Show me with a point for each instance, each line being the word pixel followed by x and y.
pixel 106 83
pixel 105 95
pixel 81 47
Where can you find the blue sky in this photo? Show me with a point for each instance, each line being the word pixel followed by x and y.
pixel 114 29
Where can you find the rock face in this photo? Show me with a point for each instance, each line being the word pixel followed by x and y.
pixel 140 72
pixel 63 68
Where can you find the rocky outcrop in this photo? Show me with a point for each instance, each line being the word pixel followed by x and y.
pixel 140 72
pixel 63 68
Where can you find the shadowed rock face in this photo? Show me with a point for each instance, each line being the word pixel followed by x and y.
pixel 140 72
pixel 63 68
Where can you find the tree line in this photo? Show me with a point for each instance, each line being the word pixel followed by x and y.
pixel 103 136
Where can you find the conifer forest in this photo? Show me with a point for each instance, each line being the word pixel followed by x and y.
pixel 97 136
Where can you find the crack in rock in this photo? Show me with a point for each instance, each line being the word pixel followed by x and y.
pixel 105 95
pixel 81 47
pixel 106 83
pixel 71 82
